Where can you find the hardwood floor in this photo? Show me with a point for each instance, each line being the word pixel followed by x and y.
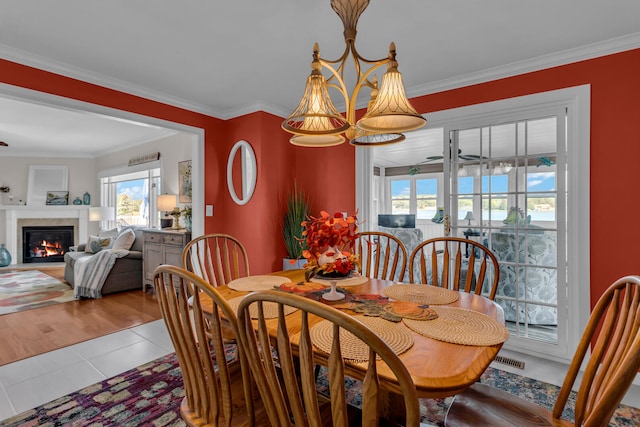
pixel 32 332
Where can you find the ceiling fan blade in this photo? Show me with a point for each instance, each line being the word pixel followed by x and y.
pixel 431 159
pixel 3 144
pixel 471 157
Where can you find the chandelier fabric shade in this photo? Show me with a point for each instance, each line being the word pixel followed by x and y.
pixel 316 114
pixel 391 109
pixel 316 122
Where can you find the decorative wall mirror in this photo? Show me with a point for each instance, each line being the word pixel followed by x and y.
pixel 45 178
pixel 244 169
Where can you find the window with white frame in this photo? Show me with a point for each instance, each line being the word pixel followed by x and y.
pixel 133 195
pixel 419 195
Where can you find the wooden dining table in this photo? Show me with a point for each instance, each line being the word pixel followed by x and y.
pixel 438 368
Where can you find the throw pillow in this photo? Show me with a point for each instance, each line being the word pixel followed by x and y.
pixel 111 233
pixel 125 240
pixel 96 244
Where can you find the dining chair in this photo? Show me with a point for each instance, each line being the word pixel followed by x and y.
pixel 382 255
pixel 216 375
pixel 287 383
pixel 610 370
pixel 443 262
pixel 217 258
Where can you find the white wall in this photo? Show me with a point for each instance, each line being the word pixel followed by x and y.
pixel 172 149
pixel 14 171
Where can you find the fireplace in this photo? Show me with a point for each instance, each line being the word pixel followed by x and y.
pixel 46 243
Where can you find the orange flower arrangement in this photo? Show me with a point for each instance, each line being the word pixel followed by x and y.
pixel 330 244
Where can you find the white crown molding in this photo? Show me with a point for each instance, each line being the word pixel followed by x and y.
pixel 46 64
pixel 607 47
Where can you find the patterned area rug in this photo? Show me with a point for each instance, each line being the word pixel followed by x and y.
pixel 150 395
pixel 24 290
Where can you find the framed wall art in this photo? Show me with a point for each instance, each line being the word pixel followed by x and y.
pixel 184 181
pixel 57 198
pixel 44 179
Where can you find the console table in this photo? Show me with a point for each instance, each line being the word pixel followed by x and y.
pixel 161 247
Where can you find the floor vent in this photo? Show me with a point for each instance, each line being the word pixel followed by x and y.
pixel 508 361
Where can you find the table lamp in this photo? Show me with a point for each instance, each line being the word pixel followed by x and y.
pixel 469 217
pixel 167 203
pixel 102 213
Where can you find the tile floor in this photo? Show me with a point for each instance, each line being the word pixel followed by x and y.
pixel 31 382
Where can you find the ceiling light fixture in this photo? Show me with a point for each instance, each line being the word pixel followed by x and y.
pixel 317 123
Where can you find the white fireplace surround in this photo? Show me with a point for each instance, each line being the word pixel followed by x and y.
pixel 15 213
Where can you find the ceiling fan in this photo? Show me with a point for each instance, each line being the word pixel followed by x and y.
pixel 460 156
pixel 3 144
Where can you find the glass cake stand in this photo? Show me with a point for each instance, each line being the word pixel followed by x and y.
pixel 333 295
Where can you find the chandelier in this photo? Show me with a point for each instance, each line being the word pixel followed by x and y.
pixel 317 123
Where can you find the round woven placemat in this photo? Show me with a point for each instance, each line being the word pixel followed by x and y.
pixel 397 337
pixel 342 283
pixel 257 283
pixel 460 326
pixel 423 294
pixel 270 308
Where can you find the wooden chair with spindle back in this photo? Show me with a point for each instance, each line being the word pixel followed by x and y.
pixel 287 383
pixel 382 255
pixel 215 384
pixel 217 258
pixel 609 372
pixel 443 262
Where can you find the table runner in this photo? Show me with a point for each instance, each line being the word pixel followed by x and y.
pixel 422 294
pixel 397 337
pixel 461 326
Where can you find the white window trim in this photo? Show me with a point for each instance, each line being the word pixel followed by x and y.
pixel 577 101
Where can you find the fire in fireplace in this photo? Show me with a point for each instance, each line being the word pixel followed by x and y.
pixel 46 243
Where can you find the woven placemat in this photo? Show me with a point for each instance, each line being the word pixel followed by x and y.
pixel 422 294
pixel 270 308
pixel 257 283
pixel 342 283
pixel 397 337
pixel 461 326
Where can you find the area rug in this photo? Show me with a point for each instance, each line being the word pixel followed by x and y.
pixel 150 395
pixel 25 290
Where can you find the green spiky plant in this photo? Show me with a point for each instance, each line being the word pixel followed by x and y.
pixel 297 209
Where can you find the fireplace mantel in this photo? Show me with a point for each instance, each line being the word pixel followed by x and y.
pixel 15 213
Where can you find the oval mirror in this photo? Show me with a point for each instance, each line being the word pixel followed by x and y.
pixel 244 168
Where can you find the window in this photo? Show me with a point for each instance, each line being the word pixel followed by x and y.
pixel 416 195
pixel 134 197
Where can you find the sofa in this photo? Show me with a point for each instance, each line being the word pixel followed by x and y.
pixel 528 266
pixel 125 275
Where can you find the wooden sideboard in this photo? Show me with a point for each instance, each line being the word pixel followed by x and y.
pixel 162 247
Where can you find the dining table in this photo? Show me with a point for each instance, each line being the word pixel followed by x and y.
pixel 439 368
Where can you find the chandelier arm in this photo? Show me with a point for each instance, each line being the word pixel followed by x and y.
pixel 363 81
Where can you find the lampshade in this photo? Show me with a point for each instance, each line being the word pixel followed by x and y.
pixel 167 202
pixel 469 216
pixel 391 111
pixel 102 213
pixel 316 115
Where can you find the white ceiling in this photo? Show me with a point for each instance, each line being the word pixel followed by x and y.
pixel 231 58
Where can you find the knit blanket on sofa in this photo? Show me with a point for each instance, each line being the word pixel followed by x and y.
pixel 91 272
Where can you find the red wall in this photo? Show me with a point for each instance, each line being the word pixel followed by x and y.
pixel 328 174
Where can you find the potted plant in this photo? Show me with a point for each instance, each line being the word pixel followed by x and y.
pixel 297 209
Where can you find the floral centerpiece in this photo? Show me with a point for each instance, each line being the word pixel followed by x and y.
pixel 330 240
